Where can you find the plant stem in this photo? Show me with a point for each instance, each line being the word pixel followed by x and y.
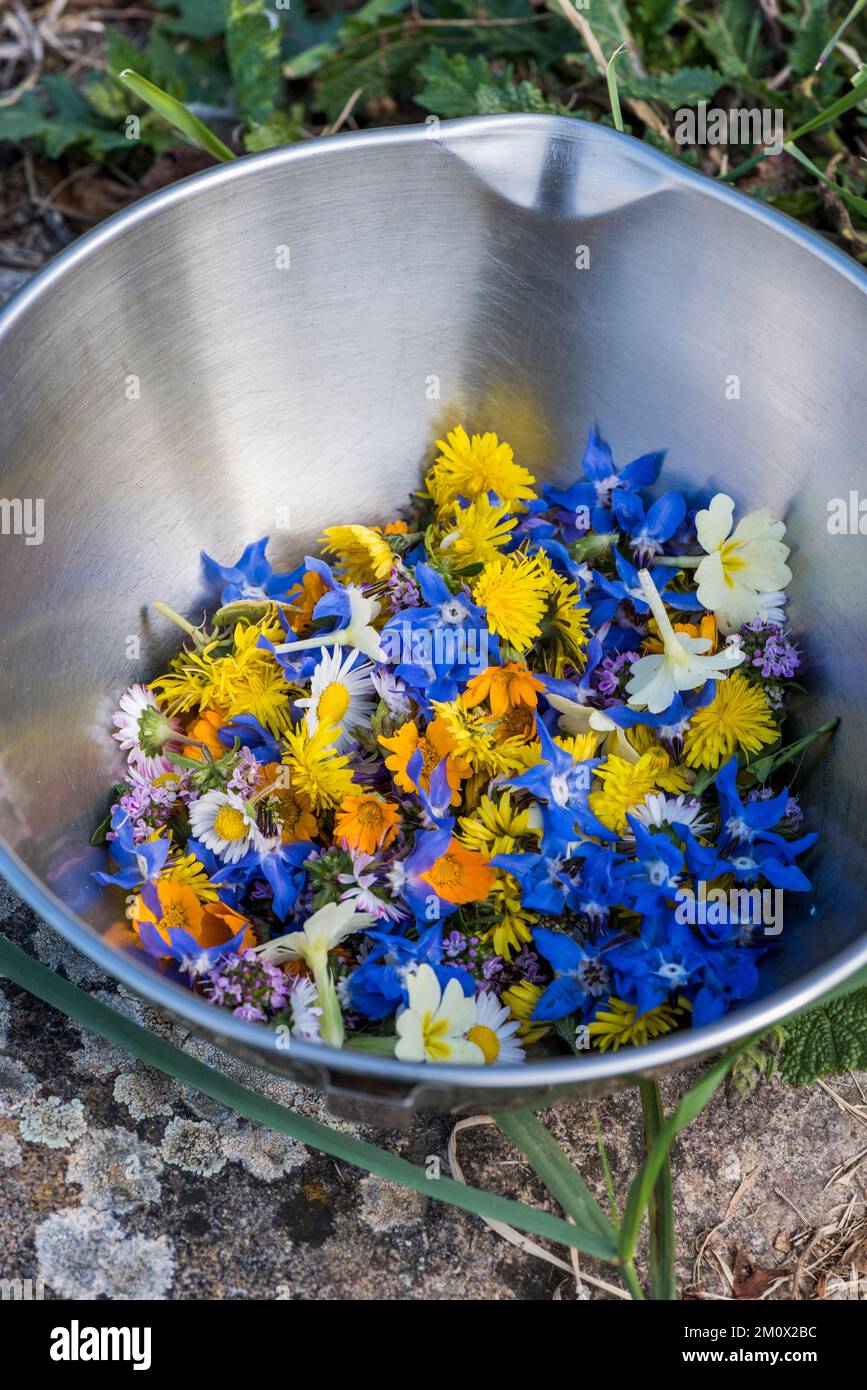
pixel 606 1171
pixel 173 617
pixel 660 1209
pixel 681 562
pixel 630 1279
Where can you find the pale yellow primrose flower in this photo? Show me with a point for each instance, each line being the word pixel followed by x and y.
pixel 326 929
pixel 741 567
pixel 575 718
pixel 655 679
pixel 432 1026
pixel 359 632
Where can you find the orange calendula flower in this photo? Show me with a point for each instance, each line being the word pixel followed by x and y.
pixel 706 628
pixel 303 600
pixel 460 875
pixel 435 744
pixel 367 822
pixel 204 730
pixel 395 528
pixel 210 924
pixel 504 688
pixel 297 821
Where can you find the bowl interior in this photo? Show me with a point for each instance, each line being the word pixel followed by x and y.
pixel 274 346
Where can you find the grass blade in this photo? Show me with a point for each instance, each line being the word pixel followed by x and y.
pixel 175 113
pixel 860 204
pixel 838 33
pixel 691 1105
pixel 857 94
pixel 156 1052
pixel 663 1287
pixel 613 89
pixel 562 1180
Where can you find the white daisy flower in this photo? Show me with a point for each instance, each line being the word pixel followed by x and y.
pixel 433 1026
pixel 226 825
pixel 143 731
pixel 305 1013
pixel 342 695
pixel 659 811
pixel 741 566
pixel 494 1031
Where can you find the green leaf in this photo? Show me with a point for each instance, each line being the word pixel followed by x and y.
pixel 176 114
pixel 682 88
pixel 691 1105
pixel 281 128
pixel 854 97
pixel 663 1287
pixel 60 120
pixel 561 1178
pixel 455 84
pixel 198 19
pixel 730 35
pixel 253 48
pixel 830 1038
pixel 153 1050
pixel 451 83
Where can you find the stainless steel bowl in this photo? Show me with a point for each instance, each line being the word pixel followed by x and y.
pixel 286 335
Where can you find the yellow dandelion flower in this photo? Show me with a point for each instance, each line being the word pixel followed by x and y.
pixel 565 629
pixel 468 467
pixel 317 772
pixel 475 534
pixel 578 746
pixel 625 785
pixel 739 716
pixel 512 928
pixel 250 681
pixel 189 682
pixel 621 1025
pixel 496 826
pixel 190 872
pixel 522 999
pixel 476 740
pixel 512 592
pixel 362 552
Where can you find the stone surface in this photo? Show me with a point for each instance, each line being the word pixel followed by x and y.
pixel 114 1182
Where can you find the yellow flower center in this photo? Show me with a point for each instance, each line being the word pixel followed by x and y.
pixel 434 1038
pixel 333 703
pixel 370 814
pixel 447 872
pixel 731 559
pixel 430 757
pixel 175 915
pixel 487 1040
pixel 230 824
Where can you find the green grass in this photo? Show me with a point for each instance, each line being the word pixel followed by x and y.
pixel 261 77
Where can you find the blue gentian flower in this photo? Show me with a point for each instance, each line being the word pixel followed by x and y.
pixel 603 482
pixel 560 785
pixel 648 528
pixel 192 958
pixel 378 987
pixel 137 863
pixel 251 577
pixel 581 974
pixel 626 588
pixel 282 868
